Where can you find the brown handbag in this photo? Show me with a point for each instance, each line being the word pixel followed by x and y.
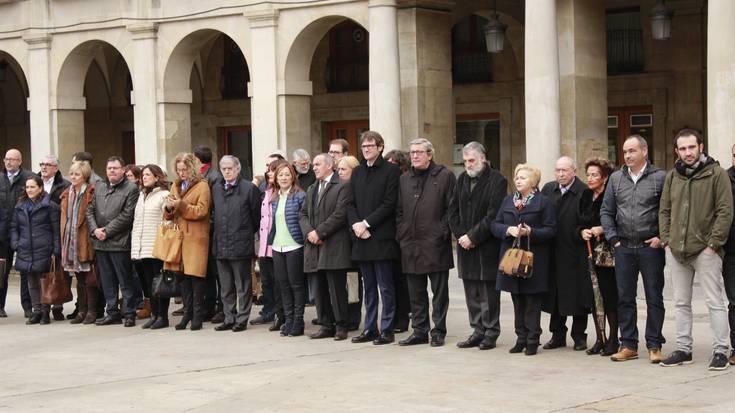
pixel 517 262
pixel 55 287
pixel 169 238
pixel 604 254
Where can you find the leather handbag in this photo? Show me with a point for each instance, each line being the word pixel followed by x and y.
pixel 166 285
pixel 169 238
pixel 55 285
pixel 516 261
pixel 604 254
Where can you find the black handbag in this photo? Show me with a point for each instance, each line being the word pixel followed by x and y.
pixel 166 285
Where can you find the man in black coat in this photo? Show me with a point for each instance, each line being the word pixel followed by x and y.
pixel 728 266
pixel 570 288
pixel 212 294
pixel 423 233
pixel 323 221
pixel 372 217
pixel 236 215
pixel 480 191
pixel 12 186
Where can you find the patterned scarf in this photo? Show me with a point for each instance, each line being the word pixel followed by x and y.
pixel 69 250
pixel 520 202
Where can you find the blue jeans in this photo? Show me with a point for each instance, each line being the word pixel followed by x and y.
pixel 116 268
pixel 378 275
pixel 650 263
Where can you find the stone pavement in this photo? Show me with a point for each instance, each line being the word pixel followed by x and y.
pixel 62 367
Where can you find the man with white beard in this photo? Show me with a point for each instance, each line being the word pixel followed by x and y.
pixel 479 193
pixel 301 162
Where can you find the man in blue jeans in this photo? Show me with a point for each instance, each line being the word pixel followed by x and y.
pixel 629 216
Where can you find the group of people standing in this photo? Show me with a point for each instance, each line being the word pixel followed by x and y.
pixel 382 227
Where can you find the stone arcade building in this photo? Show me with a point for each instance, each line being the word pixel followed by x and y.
pixel 149 78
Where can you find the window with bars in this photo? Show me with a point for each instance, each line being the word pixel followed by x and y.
pixel 471 62
pixel 624 42
pixel 348 62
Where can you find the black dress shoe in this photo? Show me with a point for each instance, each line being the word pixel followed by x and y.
pixel 472 341
pixel 531 349
pixel 386 337
pixel 580 344
pixel 109 320
pixel 224 326
pixel 340 335
pixel 161 322
pixel 555 343
pixel 58 314
pixel 278 322
pixel 261 320
pixel 487 343
pixel 437 341
pixel 45 318
pixel 27 313
pixel 365 337
pixel 35 318
pixel 182 324
pixel 240 327
pixel 129 321
pixel 414 339
pixel 322 333
pixel 195 325
pixel 519 347
pixel 150 322
pixel 218 318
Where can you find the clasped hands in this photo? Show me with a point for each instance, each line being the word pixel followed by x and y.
pixel 522 230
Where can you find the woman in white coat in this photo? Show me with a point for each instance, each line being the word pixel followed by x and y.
pixel 148 216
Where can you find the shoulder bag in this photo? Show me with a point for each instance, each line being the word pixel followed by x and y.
pixel 55 285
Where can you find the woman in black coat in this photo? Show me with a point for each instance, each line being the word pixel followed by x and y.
pixel 598 170
pixel 34 235
pixel 530 215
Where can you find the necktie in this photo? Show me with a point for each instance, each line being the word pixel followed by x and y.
pixel 321 189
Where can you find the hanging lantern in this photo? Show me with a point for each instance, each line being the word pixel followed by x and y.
pixel 661 21
pixel 495 34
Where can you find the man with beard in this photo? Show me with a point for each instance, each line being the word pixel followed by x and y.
pixel 695 217
pixel 480 190
pixel 301 163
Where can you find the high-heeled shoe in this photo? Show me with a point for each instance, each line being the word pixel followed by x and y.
pixel 183 323
pixel 611 347
pixel 519 347
pixel 596 348
pixel 150 322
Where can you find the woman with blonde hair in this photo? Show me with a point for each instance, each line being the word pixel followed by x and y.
pixel 77 254
pixel 188 206
pixel 345 167
pixel 529 215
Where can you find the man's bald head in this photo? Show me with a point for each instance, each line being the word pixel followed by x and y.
pixel 13 160
pixel 565 170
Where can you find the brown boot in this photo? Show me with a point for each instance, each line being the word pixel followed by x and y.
pixel 79 318
pixel 90 318
pixel 91 303
pixel 144 312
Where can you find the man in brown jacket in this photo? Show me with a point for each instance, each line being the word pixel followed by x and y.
pixel 426 243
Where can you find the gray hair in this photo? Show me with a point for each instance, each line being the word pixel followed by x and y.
pixel 641 140
pixel 300 154
pixel 476 147
pixel 53 158
pixel 571 161
pixel 421 141
pixel 327 158
pixel 230 158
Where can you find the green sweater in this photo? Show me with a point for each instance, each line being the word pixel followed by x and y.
pixel 696 212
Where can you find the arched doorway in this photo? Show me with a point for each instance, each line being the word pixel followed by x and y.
pixel 94 111
pixel 211 69
pixel 15 130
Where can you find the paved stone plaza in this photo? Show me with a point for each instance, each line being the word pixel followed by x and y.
pixel 62 367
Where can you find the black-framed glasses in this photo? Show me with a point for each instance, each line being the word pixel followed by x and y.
pixel 44 164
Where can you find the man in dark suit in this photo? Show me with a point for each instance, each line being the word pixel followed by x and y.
pixel 372 217
pixel 323 221
pixel 480 191
pixel 570 288
pixel 12 186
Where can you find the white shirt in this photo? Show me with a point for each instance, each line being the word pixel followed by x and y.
pixel 637 176
pixel 47 185
pixel 564 189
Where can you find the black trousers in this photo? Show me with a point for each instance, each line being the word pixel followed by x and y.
pixel 212 293
pixel 403 301
pixel 272 304
pixel 330 297
pixel 527 312
pixel 483 306
pixel 147 268
pixel 417 284
pixel 558 327
pixel 354 310
pixel 192 293
pixel 728 273
pixel 289 269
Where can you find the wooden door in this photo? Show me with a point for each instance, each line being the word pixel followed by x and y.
pixel 237 141
pixel 625 121
pixel 345 129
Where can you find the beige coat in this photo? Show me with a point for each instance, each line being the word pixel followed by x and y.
pixel 148 216
pixel 192 217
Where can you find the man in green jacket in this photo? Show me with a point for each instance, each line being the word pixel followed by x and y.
pixel 694 219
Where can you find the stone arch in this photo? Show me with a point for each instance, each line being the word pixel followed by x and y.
pixel 14 116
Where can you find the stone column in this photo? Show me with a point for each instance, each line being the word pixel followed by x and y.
pixel 426 75
pixel 39 90
pixel 542 87
pixel 263 85
pixel 294 116
pixel 720 80
pixel 147 145
pixel 385 84
pixel 174 109
pixel 583 78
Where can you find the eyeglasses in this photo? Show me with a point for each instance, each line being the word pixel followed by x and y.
pixel 336 152
pixel 181 171
pixel 418 152
pixel 43 164
pixel 12 159
pixel 369 145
